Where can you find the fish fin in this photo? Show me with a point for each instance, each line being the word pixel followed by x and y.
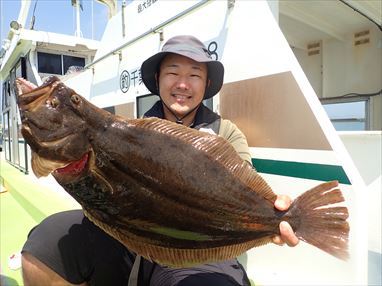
pixel 215 146
pixel 43 167
pixel 178 257
pixel 319 224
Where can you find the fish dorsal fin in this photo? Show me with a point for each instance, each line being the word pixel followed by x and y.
pixel 215 146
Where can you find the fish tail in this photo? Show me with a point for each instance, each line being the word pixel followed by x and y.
pixel 318 223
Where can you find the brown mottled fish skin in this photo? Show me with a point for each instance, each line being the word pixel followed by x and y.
pixel 170 193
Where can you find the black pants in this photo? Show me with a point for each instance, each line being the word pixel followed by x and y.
pixel 79 251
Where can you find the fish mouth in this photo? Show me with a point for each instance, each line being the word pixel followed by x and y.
pixel 74 168
pixel 43 167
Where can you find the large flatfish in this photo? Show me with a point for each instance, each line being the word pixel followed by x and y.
pixel 173 194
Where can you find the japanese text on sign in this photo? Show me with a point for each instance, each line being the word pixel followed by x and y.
pixel 145 4
pixel 130 78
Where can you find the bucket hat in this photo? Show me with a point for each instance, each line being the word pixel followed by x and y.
pixel 192 48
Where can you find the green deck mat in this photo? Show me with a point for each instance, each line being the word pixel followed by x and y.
pixel 23 205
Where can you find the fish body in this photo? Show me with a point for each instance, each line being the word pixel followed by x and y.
pixel 173 194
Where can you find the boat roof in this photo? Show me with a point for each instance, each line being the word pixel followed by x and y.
pixel 21 41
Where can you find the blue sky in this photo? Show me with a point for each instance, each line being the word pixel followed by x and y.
pixel 57 16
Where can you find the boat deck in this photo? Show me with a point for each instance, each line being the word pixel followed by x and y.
pixel 24 202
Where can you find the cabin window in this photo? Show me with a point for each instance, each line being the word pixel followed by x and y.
pixel 6 95
pixel 145 102
pixel 49 63
pixel 348 115
pixel 110 109
pixel 6 137
pixel 57 64
pixel 70 61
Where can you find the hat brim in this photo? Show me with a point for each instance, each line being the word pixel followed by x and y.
pixel 215 72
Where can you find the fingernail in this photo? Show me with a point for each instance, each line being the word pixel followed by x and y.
pixel 284 225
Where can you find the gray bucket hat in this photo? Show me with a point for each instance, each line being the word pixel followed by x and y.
pixel 192 48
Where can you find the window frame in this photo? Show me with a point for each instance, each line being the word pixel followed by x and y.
pixel 138 103
pixel 338 100
pixel 62 62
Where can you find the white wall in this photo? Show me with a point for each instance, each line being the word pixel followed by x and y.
pixel 312 66
pixel 348 68
pixel 342 68
pixel 365 151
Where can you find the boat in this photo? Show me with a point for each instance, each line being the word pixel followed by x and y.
pixel 280 87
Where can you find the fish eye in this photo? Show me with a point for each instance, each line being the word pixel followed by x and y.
pixel 75 99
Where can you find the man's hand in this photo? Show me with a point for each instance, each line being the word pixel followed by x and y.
pixel 287 235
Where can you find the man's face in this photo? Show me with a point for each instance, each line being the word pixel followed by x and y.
pixel 182 83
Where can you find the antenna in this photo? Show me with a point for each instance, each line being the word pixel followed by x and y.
pixel 33 19
pixel 78 30
pixel 78 5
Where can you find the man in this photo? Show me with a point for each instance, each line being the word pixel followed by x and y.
pixel 66 248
